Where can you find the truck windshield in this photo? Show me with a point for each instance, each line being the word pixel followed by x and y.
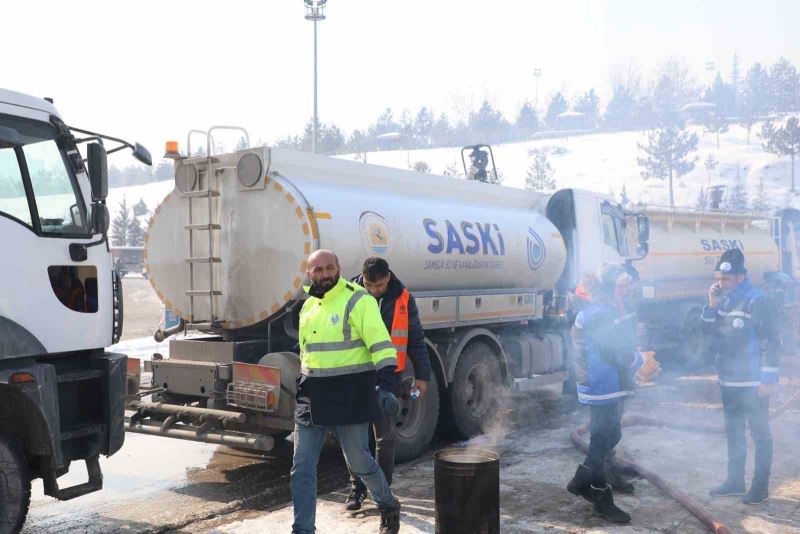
pixel 37 185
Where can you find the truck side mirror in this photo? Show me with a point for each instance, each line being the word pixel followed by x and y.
pixel 142 154
pixel 643 228
pixel 98 171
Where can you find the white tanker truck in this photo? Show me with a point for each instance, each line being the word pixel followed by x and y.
pixel 684 247
pixel 491 268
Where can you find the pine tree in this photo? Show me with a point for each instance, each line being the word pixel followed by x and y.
pixel 135 233
pixel 488 124
pixel 164 171
pixel 557 106
pixel 120 226
pixel 442 132
pixel 666 103
pixel 700 204
pixel 140 208
pixel 540 173
pixel 760 203
pixel 242 144
pixel 757 90
pixel 783 141
pixel 710 164
pixel 736 83
pixel 722 95
pixel 527 122
pixel 423 128
pixel 667 155
pixel 589 104
pixel 737 197
pixel 716 123
pixel 621 109
pixel 783 81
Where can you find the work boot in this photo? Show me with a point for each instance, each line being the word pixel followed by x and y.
pixel 615 478
pixel 759 492
pixel 390 521
pixel 603 499
pixel 728 488
pixel 581 483
pixel 358 494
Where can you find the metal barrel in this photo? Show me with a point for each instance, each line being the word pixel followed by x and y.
pixel 467 491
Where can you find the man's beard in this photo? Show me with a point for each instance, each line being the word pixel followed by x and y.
pixel 323 286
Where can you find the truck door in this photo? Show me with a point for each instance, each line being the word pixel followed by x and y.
pixel 42 211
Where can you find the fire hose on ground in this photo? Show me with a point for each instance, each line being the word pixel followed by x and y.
pixel 687 501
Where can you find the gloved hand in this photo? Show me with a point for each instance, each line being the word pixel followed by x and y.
pixel 387 402
pixel 650 368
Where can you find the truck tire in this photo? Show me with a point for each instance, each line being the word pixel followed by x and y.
pixel 15 485
pixel 473 392
pixel 416 424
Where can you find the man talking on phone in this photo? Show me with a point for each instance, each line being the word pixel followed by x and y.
pixel 742 323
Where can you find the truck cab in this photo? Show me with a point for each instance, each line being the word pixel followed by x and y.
pixel 61 394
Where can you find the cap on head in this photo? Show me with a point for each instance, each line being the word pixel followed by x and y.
pixel 609 275
pixel 731 262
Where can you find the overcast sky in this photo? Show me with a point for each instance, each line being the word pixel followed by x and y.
pixel 151 70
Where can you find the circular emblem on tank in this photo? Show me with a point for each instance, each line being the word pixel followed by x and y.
pixel 376 234
pixel 335 318
pixel 249 169
pixel 738 323
pixel 536 250
pixel 185 177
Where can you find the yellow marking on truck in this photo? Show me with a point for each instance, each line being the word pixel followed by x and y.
pixel 266 179
pixel 297 282
pixel 287 296
pixel 275 308
pixel 290 198
pixel 263 316
pixel 298 210
pixel 323 215
pixel 168 304
pixel 305 227
pixel 303 265
pixel 250 320
pixel 314 228
pixel 160 295
pixel 278 187
pixel 307 248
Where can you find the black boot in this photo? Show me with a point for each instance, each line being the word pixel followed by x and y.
pixel 603 499
pixel 759 491
pixel 358 493
pixel 581 483
pixel 615 478
pixel 728 488
pixel 390 521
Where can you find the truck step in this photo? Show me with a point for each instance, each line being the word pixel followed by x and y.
pixel 79 376
pixel 204 259
pixel 203 193
pixel 202 292
pixel 257 442
pixel 203 227
pixel 95 482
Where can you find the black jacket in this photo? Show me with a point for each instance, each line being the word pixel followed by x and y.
pixel 417 350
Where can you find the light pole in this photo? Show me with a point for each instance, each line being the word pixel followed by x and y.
pixel 536 74
pixel 315 11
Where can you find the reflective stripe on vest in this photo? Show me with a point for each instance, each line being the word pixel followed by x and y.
pixel 399 331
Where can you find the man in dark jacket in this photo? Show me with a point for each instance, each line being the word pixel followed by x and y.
pixel 742 323
pixel 604 335
pixel 401 317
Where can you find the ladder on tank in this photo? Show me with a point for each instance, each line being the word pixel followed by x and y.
pixel 208 190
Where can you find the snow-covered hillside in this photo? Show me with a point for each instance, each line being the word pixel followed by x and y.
pixel 600 162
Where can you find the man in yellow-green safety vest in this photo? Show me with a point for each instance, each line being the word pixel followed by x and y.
pixel 347 380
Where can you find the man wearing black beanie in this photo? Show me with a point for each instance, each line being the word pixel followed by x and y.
pixel 742 323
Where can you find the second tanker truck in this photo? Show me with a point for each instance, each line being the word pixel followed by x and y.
pixel 491 268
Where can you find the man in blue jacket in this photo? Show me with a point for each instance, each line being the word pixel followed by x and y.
pixel 742 323
pixel 604 335
pixel 401 317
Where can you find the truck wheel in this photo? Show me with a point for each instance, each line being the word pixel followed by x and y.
pixel 15 485
pixel 473 392
pixel 416 424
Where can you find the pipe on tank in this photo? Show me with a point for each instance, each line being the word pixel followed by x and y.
pixel 161 334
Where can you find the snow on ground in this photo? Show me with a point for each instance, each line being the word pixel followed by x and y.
pixel 605 162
